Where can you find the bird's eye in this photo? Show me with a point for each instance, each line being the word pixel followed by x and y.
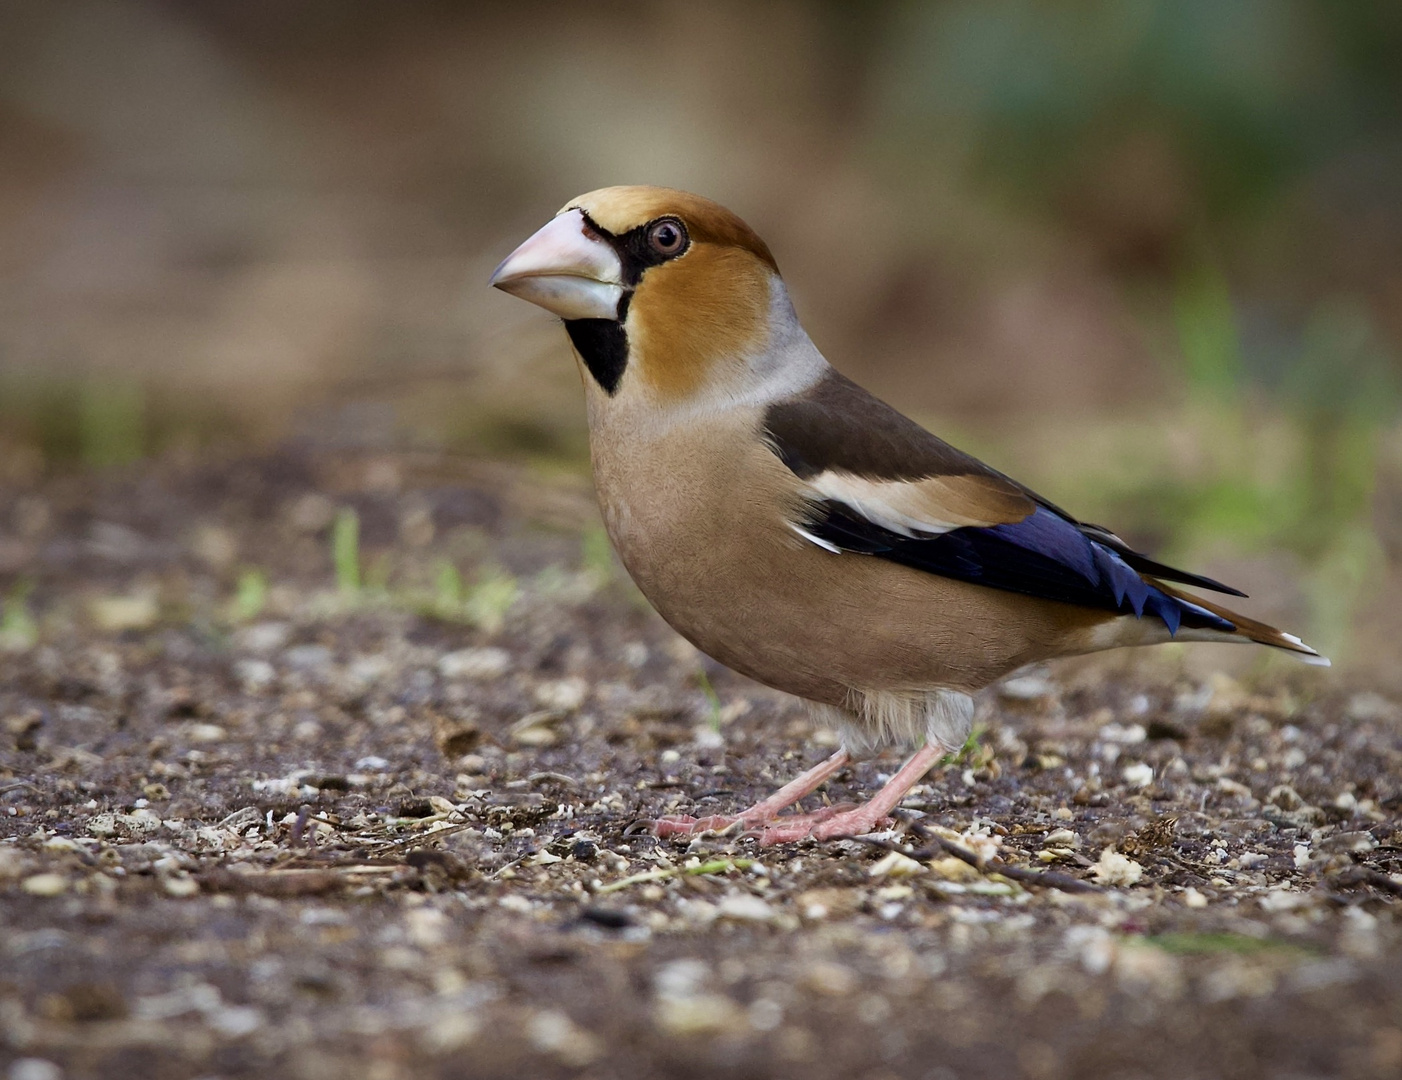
pixel 667 237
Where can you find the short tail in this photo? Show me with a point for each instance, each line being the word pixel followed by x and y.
pixel 1244 627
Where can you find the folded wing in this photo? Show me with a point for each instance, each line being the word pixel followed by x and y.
pixel 882 485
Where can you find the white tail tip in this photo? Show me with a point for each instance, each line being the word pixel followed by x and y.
pixel 1309 656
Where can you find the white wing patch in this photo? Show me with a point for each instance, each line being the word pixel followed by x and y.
pixel 907 507
pixel 925 507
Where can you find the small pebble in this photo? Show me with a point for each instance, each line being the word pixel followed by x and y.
pixel 551 1031
pixel 451 1031
pixel 34 1069
pixel 235 1021
pixel 1116 870
pixel 48 884
pixel 476 664
pixel 566 695
pixel 830 978
pixel 895 865
pixel 181 887
pixel 765 1014
pixel 307 657
pixel 536 729
pixel 1277 900
pixel 700 1014
pixel 745 907
pixel 117 613
pixel 264 637
pixel 254 675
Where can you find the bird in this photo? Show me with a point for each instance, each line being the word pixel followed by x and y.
pixel 801 531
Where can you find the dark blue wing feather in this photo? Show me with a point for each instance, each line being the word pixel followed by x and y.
pixel 1043 555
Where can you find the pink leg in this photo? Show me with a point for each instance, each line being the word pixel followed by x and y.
pixel 864 818
pixel 761 812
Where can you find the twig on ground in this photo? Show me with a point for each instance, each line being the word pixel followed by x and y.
pixel 714 866
pixel 436 834
pixel 1365 875
pixel 558 777
pixel 1050 879
pixel 503 869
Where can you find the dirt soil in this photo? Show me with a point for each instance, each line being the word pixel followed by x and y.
pixel 256 821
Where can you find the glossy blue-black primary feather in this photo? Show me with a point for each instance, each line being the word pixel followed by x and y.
pixel 1044 555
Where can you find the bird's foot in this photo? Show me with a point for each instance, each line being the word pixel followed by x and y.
pixel 680 825
pixel 870 816
pixel 840 822
pixel 762 813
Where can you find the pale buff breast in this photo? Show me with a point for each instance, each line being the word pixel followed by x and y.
pixel 697 515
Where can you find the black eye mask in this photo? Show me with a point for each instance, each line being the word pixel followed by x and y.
pixel 603 343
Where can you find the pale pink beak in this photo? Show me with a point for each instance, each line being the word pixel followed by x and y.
pixel 565 270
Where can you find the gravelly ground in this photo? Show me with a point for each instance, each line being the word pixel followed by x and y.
pixel 286 829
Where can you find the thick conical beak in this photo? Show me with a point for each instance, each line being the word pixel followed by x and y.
pixel 565 268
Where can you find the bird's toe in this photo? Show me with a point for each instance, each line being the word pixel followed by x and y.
pixel 682 825
pixel 791 827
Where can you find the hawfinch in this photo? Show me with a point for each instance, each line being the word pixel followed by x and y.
pixel 803 532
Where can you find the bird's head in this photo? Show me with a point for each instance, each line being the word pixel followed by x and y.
pixel 665 294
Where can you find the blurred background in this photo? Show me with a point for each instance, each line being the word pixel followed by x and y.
pixel 1146 255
